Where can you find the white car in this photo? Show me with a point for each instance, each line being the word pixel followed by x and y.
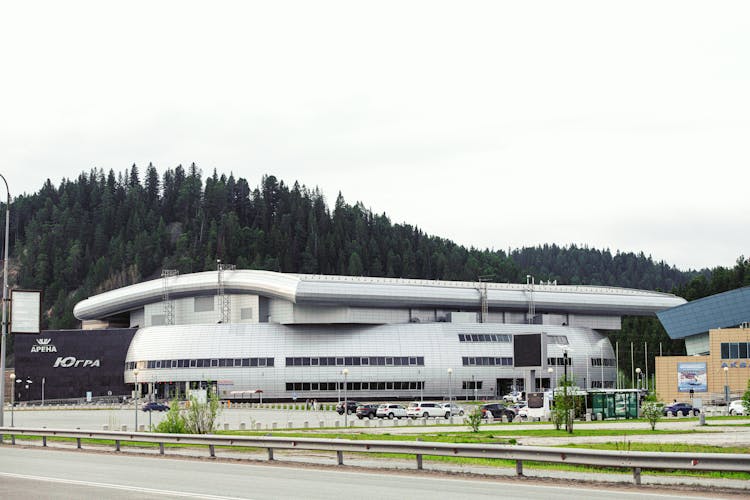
pixel 390 411
pixel 427 409
pixel 737 407
pixel 454 409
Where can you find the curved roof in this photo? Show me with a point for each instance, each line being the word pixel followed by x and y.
pixel 699 316
pixel 380 292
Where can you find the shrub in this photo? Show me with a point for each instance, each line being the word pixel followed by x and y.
pixel 652 410
pixel 200 418
pixel 174 423
pixel 474 419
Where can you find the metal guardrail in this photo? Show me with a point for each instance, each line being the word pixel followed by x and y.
pixel 601 458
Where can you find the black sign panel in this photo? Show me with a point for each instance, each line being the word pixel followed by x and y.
pixel 527 349
pixel 72 363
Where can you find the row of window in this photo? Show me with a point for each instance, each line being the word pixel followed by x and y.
pixel 735 350
pixel 486 361
pixel 358 361
pixel 471 384
pixel 354 386
pixel 483 337
pixel 559 361
pixel 602 361
pixel 200 363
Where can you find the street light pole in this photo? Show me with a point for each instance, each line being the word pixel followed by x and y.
pixel 12 396
pixel 450 385
pixel 638 378
pixel 551 379
pixel 726 388
pixel 345 372
pixel 135 374
pixel 5 306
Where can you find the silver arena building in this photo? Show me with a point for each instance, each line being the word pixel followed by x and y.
pixel 301 336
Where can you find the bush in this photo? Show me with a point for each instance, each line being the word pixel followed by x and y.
pixel 200 418
pixel 474 419
pixel 174 423
pixel 652 410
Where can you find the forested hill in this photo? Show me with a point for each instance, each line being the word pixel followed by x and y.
pixel 105 230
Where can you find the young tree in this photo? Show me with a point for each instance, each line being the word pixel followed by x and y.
pixel 200 418
pixel 474 419
pixel 746 399
pixel 652 410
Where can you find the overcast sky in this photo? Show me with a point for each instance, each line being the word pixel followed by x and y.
pixel 620 125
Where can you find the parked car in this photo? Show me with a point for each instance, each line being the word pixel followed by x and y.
pixel 391 411
pixel 367 410
pixel 154 406
pixel 351 407
pixel 454 409
pixel 513 397
pixel 737 407
pixel 685 408
pixel 497 411
pixel 426 409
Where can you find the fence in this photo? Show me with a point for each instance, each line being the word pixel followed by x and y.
pixel 602 458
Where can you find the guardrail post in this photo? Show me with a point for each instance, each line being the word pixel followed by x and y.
pixel 519 467
pixel 161 448
pixel 270 454
pixel 44 440
pixel 12 439
pixel 419 462
pixel 637 475
pixel 340 457
pixel 78 443
pixel 212 451
pixel 117 445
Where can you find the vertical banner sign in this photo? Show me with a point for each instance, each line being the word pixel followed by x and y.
pixel 691 376
pixel 25 311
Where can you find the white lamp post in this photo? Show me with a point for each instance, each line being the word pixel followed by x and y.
pixel 12 396
pixel 345 372
pixel 638 377
pixel 135 374
pixel 726 387
pixel 550 370
pixel 450 385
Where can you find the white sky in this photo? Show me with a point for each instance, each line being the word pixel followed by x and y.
pixel 620 125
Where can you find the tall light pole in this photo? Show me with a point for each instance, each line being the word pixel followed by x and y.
pixel 450 385
pixel 135 374
pixel 12 396
pixel 550 370
pixel 5 304
pixel 726 387
pixel 568 419
pixel 345 372
pixel 638 378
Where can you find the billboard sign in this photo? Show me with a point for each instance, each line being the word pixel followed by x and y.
pixel 691 377
pixel 25 311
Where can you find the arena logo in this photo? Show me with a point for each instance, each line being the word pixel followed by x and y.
pixel 71 362
pixel 43 345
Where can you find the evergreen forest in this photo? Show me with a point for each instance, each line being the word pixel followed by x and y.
pixel 102 231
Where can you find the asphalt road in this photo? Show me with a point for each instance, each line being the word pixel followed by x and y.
pixel 33 473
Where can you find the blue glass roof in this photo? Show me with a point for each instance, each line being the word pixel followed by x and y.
pixel 722 310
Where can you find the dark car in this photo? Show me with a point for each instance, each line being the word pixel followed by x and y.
pixel 351 407
pixel 685 408
pixel 367 411
pixel 154 406
pixel 497 411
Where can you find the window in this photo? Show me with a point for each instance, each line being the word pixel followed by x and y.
pixel 246 313
pixel 203 304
